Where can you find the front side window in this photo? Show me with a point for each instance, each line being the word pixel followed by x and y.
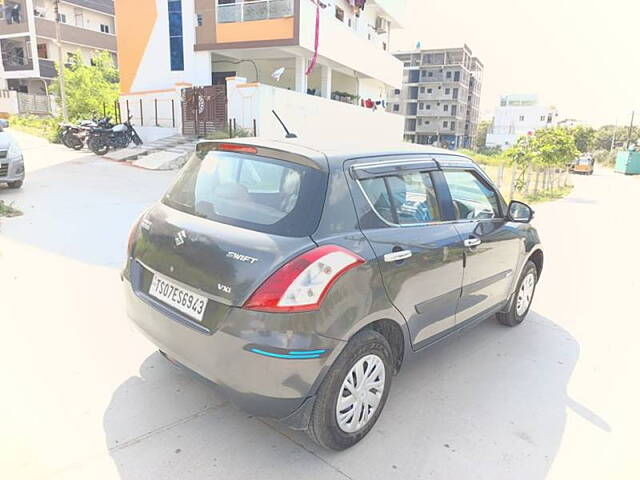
pixel 408 199
pixel 176 42
pixel 472 198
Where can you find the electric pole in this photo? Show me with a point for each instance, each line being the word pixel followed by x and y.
pixel 613 138
pixel 630 130
pixel 63 99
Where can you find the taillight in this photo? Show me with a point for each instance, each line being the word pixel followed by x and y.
pixel 133 234
pixel 233 147
pixel 302 284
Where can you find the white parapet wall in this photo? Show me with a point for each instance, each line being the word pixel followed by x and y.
pixel 8 102
pixel 308 116
pixel 154 115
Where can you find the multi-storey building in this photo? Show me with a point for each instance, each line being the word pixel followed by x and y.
pixel 27 38
pixel 166 45
pixel 440 96
pixel 516 116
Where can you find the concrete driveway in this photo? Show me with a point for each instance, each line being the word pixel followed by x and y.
pixel 86 397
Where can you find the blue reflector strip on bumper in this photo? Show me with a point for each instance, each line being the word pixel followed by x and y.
pixel 300 355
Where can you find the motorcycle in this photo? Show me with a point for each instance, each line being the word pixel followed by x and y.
pixel 75 136
pixel 101 140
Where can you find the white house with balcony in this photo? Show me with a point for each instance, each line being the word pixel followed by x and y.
pixel 516 116
pixel 264 45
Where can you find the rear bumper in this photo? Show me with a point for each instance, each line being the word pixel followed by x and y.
pixel 14 170
pixel 266 386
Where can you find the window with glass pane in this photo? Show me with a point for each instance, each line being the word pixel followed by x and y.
pixel 376 191
pixel 413 198
pixel 237 187
pixel 176 43
pixel 472 198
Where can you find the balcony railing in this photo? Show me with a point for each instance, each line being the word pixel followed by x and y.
pixel 249 10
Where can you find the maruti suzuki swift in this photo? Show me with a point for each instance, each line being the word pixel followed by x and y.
pixel 299 278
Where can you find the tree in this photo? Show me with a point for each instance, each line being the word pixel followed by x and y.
pixel 584 138
pixel 553 147
pixel 481 137
pixel 547 147
pixel 604 136
pixel 89 87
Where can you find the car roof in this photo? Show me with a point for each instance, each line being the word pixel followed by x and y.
pixel 336 151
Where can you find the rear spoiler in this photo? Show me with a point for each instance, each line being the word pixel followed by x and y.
pixel 258 150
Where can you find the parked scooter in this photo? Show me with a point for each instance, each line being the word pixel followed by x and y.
pixel 101 140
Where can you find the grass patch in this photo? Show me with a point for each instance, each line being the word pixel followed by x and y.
pixel 483 159
pixel 8 210
pixel 547 196
pixel 45 127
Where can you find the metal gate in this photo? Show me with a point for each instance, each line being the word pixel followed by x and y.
pixel 204 110
pixel 34 104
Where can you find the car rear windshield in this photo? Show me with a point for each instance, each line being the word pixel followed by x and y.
pixel 249 191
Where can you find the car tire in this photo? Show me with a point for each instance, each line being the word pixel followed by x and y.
pixel 523 297
pixel 368 349
pixel 15 185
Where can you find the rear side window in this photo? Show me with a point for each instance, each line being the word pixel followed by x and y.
pixel 472 198
pixel 407 199
pixel 249 191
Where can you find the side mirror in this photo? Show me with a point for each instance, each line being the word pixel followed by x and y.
pixel 520 212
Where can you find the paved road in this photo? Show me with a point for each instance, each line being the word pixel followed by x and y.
pixel 84 396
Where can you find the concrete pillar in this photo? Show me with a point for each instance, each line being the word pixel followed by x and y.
pixel 327 79
pixel 301 78
pixel 201 68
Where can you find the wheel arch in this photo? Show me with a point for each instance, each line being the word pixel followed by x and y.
pixel 537 257
pixel 394 334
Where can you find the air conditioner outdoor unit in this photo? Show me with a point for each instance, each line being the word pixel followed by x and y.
pixel 381 25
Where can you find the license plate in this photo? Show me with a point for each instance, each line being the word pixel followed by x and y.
pixel 181 299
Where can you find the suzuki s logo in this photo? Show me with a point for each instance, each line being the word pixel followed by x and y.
pixel 181 236
pixel 241 258
pixel 224 288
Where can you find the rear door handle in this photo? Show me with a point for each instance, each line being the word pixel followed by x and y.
pixel 472 242
pixel 397 256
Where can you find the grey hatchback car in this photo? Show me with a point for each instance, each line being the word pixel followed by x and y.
pixel 300 278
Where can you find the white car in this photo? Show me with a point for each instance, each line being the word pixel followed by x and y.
pixel 11 161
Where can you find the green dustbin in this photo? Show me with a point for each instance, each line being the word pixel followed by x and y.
pixel 628 163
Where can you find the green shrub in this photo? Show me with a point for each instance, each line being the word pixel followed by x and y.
pixel 8 210
pixel 605 157
pixel 495 158
pixel 46 127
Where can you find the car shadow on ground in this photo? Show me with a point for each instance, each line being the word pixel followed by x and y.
pixel 489 403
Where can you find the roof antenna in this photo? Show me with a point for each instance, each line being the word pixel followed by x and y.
pixel 289 134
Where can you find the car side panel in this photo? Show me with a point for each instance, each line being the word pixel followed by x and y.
pixel 490 267
pixel 361 298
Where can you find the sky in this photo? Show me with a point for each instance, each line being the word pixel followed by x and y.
pixel 582 56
